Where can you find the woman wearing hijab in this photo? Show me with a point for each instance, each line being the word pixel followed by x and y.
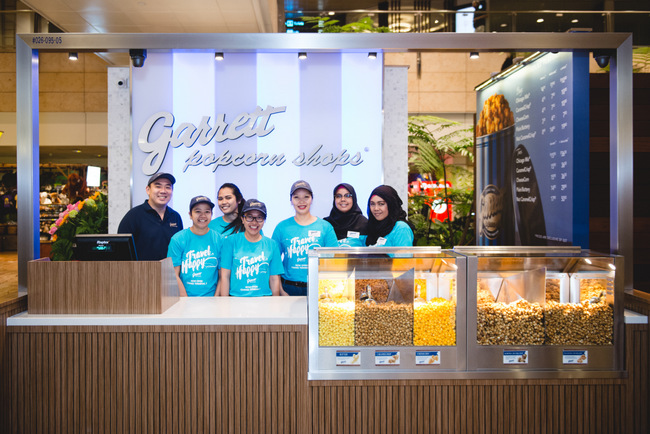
pixel 387 224
pixel 350 225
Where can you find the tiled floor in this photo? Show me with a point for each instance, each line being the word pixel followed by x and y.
pixel 8 275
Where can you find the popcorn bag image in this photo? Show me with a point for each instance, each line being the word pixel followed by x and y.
pixel 495 137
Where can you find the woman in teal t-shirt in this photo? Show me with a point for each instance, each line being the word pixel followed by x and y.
pixel 195 252
pixel 250 262
pixel 387 224
pixel 230 202
pixel 297 234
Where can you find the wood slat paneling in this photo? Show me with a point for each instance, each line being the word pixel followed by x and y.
pixel 178 379
pixel 253 379
pixel 113 287
pixel 8 307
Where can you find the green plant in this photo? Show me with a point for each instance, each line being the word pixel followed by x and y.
pixel 329 25
pixel 433 143
pixel 88 216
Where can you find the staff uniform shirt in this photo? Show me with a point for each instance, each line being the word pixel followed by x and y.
pixel 150 233
pixel 295 240
pixel 219 224
pixel 400 236
pixel 251 265
pixel 354 239
pixel 198 257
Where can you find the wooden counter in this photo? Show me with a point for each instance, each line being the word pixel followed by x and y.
pixel 238 375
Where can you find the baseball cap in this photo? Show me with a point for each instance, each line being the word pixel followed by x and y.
pixel 301 184
pixel 200 199
pixel 159 175
pixel 254 205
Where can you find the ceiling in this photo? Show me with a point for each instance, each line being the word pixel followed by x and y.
pixel 159 16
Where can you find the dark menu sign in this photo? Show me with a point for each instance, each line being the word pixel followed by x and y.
pixel 532 157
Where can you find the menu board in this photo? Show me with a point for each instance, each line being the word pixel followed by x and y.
pixel 532 154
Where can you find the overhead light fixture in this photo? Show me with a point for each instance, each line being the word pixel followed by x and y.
pixel 575 20
pixel 473 55
pixel 330 13
pixel 218 56
pixel 372 55
pixel 137 57
pixel 73 56
pixel 302 56
pixel 540 20
pixel 504 25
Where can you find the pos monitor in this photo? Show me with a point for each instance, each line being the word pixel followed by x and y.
pixel 104 247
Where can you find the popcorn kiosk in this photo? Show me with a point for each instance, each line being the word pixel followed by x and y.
pixel 386 313
pixel 544 311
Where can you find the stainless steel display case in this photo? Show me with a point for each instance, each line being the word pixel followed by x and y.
pixel 544 312
pixel 386 313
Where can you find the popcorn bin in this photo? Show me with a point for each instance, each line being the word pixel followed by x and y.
pixel 544 311
pixel 385 313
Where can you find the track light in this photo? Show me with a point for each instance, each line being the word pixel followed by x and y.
pixel 73 56
pixel 473 55
pixel 218 56
pixel 372 55
pixel 137 57
pixel 302 56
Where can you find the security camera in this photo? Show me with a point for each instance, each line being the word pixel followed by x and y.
pixel 122 82
pixel 602 59
pixel 137 57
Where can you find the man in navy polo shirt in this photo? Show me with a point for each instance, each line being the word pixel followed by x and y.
pixel 153 223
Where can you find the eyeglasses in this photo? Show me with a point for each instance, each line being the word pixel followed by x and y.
pixel 341 196
pixel 258 219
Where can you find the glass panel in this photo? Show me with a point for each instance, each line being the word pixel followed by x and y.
pixel 376 300
pixel 554 300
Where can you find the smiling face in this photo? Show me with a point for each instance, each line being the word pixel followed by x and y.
pixel 201 215
pixel 227 201
pixel 256 224
pixel 159 192
pixel 343 203
pixel 301 201
pixel 378 208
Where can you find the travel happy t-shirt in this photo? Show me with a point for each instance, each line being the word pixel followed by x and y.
pixel 400 236
pixel 250 264
pixel 198 257
pixel 295 240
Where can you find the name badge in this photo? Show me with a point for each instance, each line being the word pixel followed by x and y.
pixel 381 241
pixel 173 224
pixel 314 234
pixel 353 234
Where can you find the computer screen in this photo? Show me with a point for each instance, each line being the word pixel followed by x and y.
pixel 104 247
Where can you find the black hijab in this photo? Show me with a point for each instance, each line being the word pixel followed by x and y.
pixel 352 220
pixel 382 228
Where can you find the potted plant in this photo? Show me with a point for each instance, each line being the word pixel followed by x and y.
pixel 434 144
pixel 89 216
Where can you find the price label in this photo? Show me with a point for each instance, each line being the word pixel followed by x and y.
pixel 515 357
pixel 348 358
pixel 427 357
pixel 387 358
pixel 575 357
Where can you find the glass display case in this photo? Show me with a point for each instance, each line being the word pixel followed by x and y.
pixel 386 313
pixel 544 309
